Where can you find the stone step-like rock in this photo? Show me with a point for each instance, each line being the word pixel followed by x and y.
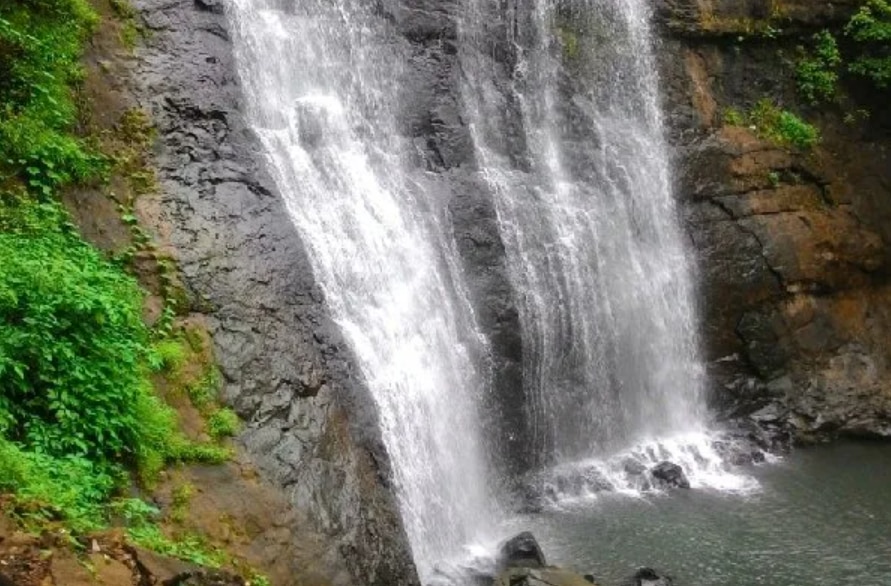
pixel 540 577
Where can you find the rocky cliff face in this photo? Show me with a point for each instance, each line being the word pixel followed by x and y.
pixel 793 246
pixel 312 427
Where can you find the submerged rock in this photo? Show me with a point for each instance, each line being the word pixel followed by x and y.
pixel 670 474
pixel 541 577
pixel 521 551
pixel 648 577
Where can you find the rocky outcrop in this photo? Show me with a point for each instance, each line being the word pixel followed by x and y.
pixel 793 246
pixel 434 118
pixel 541 577
pixel 99 560
pixel 670 475
pixel 312 426
pixel 522 563
pixel 648 577
pixel 521 551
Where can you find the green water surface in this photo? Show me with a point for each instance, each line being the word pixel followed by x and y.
pixel 822 516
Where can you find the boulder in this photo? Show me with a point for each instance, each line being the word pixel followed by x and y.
pixel 670 474
pixel 541 577
pixel 521 551
pixel 648 577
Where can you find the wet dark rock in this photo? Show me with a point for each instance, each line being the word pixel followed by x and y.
pixel 649 577
pixel 206 578
pixel 670 475
pixel 312 426
pixel 215 6
pixel 793 246
pixel 521 551
pixel 633 467
pixel 161 569
pixel 541 577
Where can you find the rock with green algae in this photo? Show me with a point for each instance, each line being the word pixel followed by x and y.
pixel 549 576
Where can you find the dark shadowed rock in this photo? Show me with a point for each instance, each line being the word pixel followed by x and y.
pixel 670 474
pixel 648 577
pixel 793 245
pixel 312 426
pixel 521 551
pixel 541 577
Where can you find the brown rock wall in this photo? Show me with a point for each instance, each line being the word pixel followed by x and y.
pixel 793 246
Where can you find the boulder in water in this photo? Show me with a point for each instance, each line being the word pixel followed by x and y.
pixel 670 474
pixel 648 577
pixel 521 551
pixel 633 467
pixel 541 577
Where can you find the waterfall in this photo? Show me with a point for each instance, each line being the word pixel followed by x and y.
pixel 318 78
pixel 584 200
pixel 563 105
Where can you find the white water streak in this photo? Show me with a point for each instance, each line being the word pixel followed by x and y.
pixel 319 76
pixel 586 211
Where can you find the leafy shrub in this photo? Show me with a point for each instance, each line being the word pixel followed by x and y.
pixel 734 117
pixel 71 489
pixel 40 44
pixel 871 29
pixel 782 126
pixel 817 74
pixel 72 349
pixel 776 125
pixel 168 355
pixel 188 546
pixel 223 423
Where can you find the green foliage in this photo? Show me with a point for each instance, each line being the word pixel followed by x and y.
pixel 72 346
pixel 77 411
pixel 734 117
pixel 40 45
pixel 185 451
pixel 203 394
pixel 188 546
pixel 871 29
pixel 21 214
pixel 223 423
pixel 168 354
pixel 256 579
pixel 69 489
pixel 781 126
pixel 775 124
pixel 817 74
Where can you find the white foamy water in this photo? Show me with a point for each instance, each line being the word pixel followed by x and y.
pixel 319 76
pixel 593 235
pixel 630 472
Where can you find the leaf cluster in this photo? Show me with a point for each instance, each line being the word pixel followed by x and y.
pixel 41 42
pixel 817 74
pixel 871 29
pixel 867 54
pixel 71 347
pixel 77 408
pixel 770 122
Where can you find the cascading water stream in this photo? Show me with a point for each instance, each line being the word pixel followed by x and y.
pixel 584 201
pixel 318 77
pixel 572 147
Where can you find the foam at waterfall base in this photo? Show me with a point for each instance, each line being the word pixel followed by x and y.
pixel 705 458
